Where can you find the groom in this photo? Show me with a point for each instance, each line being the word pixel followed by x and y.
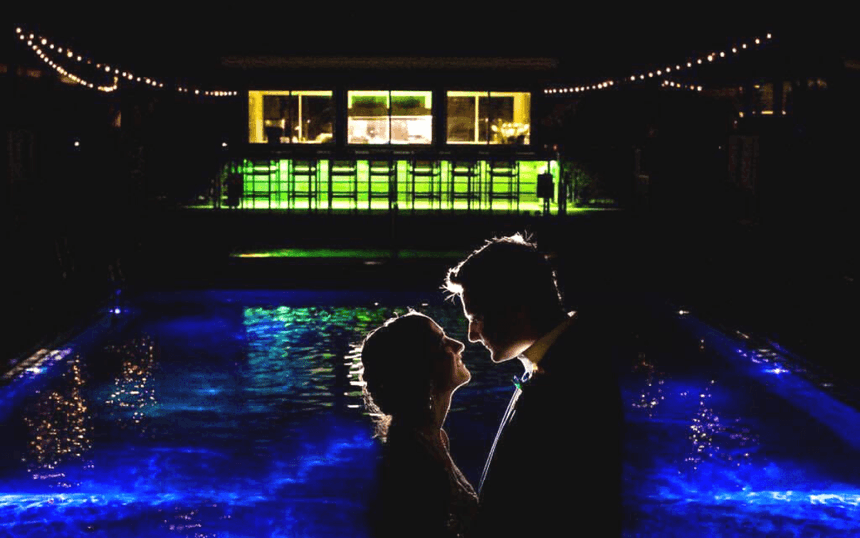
pixel 555 466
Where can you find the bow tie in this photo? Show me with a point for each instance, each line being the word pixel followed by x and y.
pixel 522 381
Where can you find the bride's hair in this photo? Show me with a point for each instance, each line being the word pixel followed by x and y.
pixel 398 359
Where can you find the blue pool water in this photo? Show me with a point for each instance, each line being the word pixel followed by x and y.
pixel 238 414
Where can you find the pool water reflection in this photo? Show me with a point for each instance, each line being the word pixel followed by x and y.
pixel 239 414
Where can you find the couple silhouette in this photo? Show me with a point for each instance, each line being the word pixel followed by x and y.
pixel 554 468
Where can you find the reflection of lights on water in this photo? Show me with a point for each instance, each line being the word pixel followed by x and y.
pixel 59 428
pixel 282 341
pixel 651 394
pixel 133 394
pixel 777 371
pixel 683 312
pixel 713 438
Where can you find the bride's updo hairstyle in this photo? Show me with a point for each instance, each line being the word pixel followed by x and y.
pixel 398 359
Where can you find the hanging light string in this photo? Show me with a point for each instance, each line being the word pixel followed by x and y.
pixel 681 86
pixel 642 76
pixel 50 53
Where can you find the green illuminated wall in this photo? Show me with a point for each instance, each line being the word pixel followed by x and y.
pixel 270 186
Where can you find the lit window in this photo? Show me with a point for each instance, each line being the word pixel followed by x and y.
pixel 389 117
pixel 489 117
pixel 290 117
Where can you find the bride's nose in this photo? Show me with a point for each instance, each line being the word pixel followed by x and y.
pixel 460 346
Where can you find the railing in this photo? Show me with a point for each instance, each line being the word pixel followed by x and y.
pixel 326 181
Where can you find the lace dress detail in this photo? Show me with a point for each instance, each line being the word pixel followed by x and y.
pixel 424 493
pixel 462 499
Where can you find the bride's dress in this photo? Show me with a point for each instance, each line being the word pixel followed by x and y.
pixel 422 493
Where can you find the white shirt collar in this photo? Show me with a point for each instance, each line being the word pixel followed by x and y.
pixel 536 351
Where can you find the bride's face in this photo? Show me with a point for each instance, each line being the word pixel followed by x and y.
pixel 451 371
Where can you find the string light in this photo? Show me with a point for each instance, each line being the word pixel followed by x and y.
pixel 644 75
pixel 34 40
pixel 680 86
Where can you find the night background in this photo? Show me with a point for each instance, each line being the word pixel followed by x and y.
pixel 746 219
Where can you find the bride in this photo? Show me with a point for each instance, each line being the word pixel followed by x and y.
pixel 411 370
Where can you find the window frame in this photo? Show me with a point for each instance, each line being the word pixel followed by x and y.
pixel 259 130
pixel 389 95
pixel 488 94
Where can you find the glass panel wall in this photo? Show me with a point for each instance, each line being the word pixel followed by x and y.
pixel 268 185
pixel 290 117
pixel 389 117
pixel 489 117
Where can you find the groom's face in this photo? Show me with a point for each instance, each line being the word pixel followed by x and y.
pixel 490 327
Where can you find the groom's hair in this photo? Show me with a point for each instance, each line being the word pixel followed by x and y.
pixel 506 271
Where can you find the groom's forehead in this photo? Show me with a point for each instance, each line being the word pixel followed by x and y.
pixel 474 303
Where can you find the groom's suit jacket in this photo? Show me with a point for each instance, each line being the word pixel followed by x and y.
pixel 556 465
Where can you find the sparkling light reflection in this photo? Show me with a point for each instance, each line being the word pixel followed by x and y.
pixel 253 424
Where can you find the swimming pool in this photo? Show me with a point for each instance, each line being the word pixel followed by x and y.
pixel 221 413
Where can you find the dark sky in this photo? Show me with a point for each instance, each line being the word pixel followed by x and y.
pixel 609 41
